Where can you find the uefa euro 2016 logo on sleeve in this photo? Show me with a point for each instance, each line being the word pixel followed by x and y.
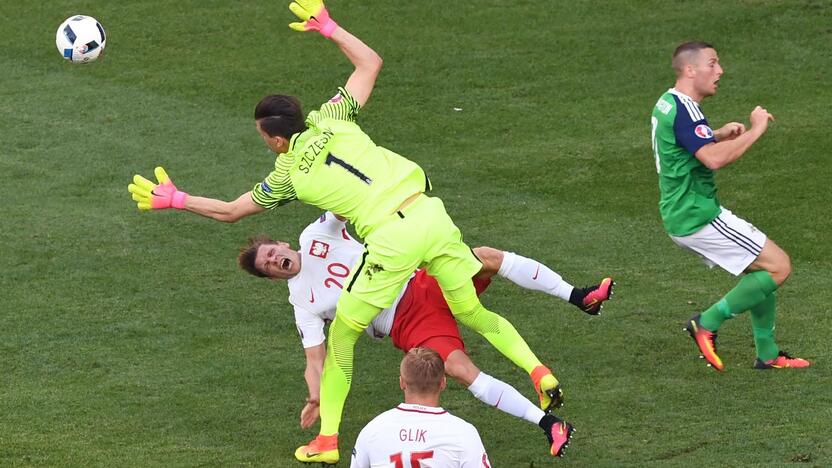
pixel 703 131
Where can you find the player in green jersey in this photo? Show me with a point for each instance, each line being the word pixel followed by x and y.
pixel 687 153
pixel 327 161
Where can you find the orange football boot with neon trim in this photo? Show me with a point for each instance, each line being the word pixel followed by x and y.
pixel 322 449
pixel 547 388
pixel 706 342
pixel 782 361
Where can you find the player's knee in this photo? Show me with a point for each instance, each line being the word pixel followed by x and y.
pixel 343 332
pixel 776 261
pixel 462 302
pixel 778 264
pixel 460 368
pixel 466 312
pixel 490 258
pixel 783 269
pixel 455 372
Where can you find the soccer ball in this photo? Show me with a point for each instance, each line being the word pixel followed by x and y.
pixel 80 39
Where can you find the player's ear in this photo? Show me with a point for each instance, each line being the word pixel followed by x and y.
pixel 690 69
pixel 282 143
pixel 402 385
pixel 443 383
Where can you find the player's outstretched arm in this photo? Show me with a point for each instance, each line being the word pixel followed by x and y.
pixel 164 195
pixel 315 17
pixel 315 357
pixel 227 212
pixel 366 61
pixel 722 153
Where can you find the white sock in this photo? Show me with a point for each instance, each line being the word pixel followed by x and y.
pixel 506 398
pixel 531 274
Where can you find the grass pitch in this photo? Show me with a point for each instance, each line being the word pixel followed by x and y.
pixel 131 339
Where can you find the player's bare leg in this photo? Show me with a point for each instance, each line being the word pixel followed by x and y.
pixel 775 261
pixel 459 367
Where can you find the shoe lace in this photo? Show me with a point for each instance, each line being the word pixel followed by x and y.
pixel 785 355
pixel 712 339
pixel 594 307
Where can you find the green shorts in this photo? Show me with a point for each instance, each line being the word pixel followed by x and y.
pixel 421 235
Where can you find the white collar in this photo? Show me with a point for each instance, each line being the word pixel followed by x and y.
pixel 420 408
pixel 680 94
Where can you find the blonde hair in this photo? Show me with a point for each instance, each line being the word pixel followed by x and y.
pixel 422 370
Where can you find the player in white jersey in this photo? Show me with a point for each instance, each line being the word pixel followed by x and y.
pixel 418 317
pixel 418 432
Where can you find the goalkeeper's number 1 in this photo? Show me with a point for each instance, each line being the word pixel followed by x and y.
pixel 330 159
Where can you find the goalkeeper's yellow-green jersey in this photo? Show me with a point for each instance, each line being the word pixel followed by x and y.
pixel 335 166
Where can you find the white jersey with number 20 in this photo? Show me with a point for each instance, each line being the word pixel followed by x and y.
pixel 415 436
pixel 327 253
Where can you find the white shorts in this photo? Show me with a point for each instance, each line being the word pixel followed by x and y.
pixel 728 241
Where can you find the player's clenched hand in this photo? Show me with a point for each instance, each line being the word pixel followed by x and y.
pixel 309 414
pixel 150 196
pixel 760 118
pixel 313 16
pixel 729 131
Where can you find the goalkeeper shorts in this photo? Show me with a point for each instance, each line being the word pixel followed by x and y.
pixel 420 235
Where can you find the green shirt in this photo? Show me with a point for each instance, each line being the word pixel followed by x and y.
pixel 336 167
pixel 687 200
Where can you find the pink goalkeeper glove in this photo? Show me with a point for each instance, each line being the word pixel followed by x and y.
pixel 313 16
pixel 150 196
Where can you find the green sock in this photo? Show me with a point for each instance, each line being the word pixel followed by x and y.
pixel 351 318
pixel 762 322
pixel 337 374
pixel 502 335
pixel 467 310
pixel 752 289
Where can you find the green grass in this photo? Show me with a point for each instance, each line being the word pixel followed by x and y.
pixel 130 339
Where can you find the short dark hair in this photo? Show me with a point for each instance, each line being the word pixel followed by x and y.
pixel 422 370
pixel 687 50
pixel 249 252
pixel 280 115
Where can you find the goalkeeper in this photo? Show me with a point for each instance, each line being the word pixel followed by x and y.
pixel 327 161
